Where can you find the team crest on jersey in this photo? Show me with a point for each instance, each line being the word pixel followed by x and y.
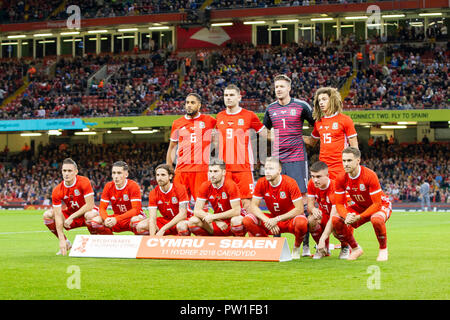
pixel 293 112
pixel 240 122
pixel 174 200
pixel 362 187
pixel 224 195
pixel 282 195
pixel 76 192
pixel 201 125
pixel 125 197
pixel 335 126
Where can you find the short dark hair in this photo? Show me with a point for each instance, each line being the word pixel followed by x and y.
pixel 196 95
pixel 352 150
pixel 217 162
pixel 121 164
pixel 318 166
pixel 165 167
pixel 273 160
pixel 70 161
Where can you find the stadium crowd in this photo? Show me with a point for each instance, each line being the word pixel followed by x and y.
pixel 32 177
pixel 415 78
pixel 17 11
pixel 157 83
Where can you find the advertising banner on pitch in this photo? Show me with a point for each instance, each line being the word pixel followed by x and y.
pixel 190 248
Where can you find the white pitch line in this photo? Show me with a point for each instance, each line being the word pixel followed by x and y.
pixel 22 232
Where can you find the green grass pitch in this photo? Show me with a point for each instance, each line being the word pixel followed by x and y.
pixel 418 268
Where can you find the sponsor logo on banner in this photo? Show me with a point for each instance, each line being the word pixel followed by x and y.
pixel 105 246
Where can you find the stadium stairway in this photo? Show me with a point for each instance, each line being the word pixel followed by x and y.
pixel 61 7
pixel 205 4
pixel 155 103
pixel 345 89
pixel 18 93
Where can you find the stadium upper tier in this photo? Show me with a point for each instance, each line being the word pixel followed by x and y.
pixel 19 11
pixel 157 84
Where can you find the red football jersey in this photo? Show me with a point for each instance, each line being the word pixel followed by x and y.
pixel 121 199
pixel 324 197
pixel 73 196
pixel 279 199
pixel 360 188
pixel 333 132
pixel 234 138
pixel 194 141
pixel 220 198
pixel 168 202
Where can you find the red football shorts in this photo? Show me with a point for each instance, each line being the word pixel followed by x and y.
pixel 77 222
pixel 385 213
pixel 245 182
pixel 192 181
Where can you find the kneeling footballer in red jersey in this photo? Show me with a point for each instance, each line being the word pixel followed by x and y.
pixel 369 204
pixel 285 203
pixel 172 202
pixel 124 195
pixel 224 196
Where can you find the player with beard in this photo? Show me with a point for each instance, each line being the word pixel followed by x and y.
pixel 284 202
pixel 192 135
pixel 171 201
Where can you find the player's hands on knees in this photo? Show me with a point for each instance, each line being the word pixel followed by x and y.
pixel 352 218
pixel 208 218
pixel 68 222
pixel 275 230
pixel 222 225
pixel 110 222
pixel 271 223
pixel 316 213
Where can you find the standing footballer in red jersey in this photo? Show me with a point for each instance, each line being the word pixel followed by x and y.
pixel 172 202
pixel 285 203
pixel 192 135
pixel 224 197
pixel 124 195
pixel 236 126
pixel 77 194
pixel 321 191
pixel 332 128
pixel 370 204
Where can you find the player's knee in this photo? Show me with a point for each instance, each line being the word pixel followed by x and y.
pixel 235 221
pixel 140 225
pixel 97 219
pixel 301 223
pixel 377 219
pixel 90 214
pixel 182 226
pixel 312 222
pixel 48 214
pixel 336 221
pixel 194 221
pixel 249 220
